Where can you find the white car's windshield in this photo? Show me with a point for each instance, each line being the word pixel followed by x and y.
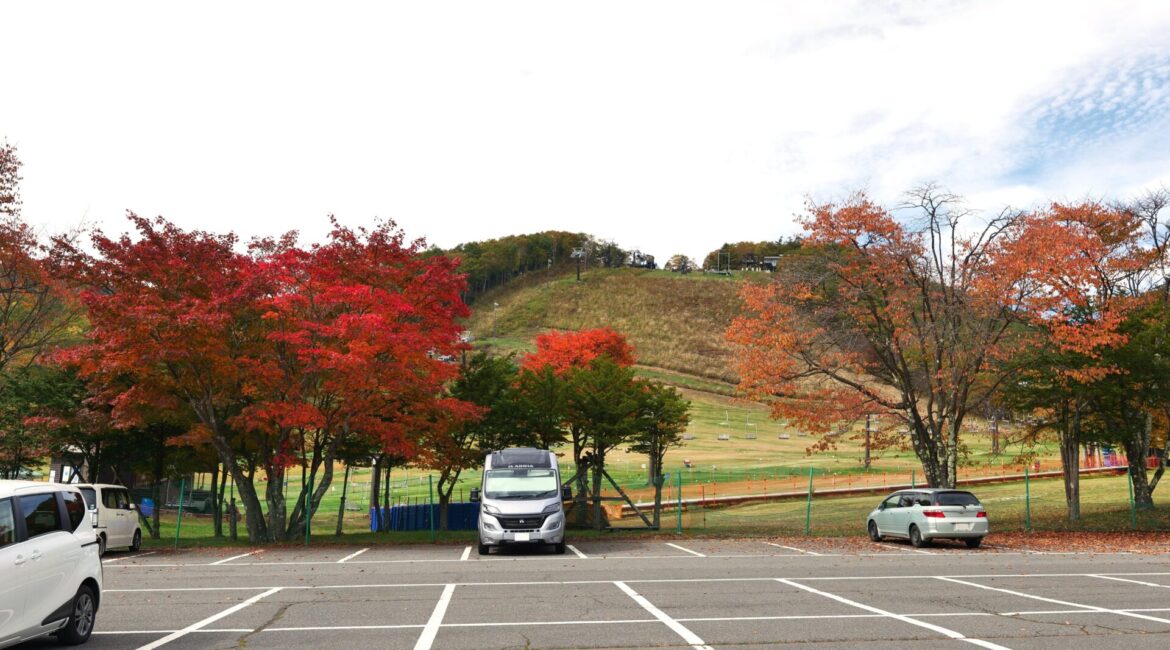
pixel 520 484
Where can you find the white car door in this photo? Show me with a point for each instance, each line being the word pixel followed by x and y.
pixel 13 566
pixel 52 554
pixel 886 516
pixel 130 517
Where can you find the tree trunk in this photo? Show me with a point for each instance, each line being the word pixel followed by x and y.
pixel 385 527
pixel 217 523
pixel 1070 448
pixel 658 481
pixel 274 497
pixel 598 465
pixel 344 492
pixel 1136 448
pixel 375 493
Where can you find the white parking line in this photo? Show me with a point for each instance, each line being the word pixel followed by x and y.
pixel 207 621
pixel 351 556
pixel 234 557
pixel 427 638
pixel 905 619
pixel 1092 608
pixel 679 629
pixel 579 553
pixel 792 548
pixel 1136 582
pixel 466 554
pixel 128 557
pixel 695 553
pixel 903 548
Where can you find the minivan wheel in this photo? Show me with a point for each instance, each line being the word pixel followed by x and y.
pixel 101 545
pixel 559 548
pixel 483 549
pixel 137 543
pixel 973 542
pixel 80 624
pixel 874 535
pixel 916 538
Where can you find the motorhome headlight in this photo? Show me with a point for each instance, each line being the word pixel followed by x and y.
pixel 491 510
pixel 551 508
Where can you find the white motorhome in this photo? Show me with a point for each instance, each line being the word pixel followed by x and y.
pixel 521 500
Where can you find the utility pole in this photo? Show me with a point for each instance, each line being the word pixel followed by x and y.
pixel 867 430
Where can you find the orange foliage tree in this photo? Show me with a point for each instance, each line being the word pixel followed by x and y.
pixel 917 324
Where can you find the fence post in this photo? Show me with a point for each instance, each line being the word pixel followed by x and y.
pixel 913 482
pixel 1027 502
pixel 179 523
pixel 1132 506
pixel 678 527
pixel 808 507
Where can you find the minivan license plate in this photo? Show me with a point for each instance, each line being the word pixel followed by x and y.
pixel 523 537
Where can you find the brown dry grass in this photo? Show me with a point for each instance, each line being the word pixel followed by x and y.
pixel 674 322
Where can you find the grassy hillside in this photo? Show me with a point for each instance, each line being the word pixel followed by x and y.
pixel 675 322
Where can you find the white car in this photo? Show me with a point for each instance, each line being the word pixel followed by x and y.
pixel 117 518
pixel 50 571
pixel 930 513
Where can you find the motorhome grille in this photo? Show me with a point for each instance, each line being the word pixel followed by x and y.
pixel 521 522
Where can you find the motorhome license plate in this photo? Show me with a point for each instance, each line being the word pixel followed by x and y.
pixel 523 537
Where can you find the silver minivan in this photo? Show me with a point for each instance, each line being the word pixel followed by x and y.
pixel 521 500
pixel 922 515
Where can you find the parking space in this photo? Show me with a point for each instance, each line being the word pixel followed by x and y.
pixel 611 593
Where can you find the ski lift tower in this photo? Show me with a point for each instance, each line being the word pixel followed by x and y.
pixel 579 254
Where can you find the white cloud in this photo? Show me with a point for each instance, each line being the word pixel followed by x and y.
pixel 669 126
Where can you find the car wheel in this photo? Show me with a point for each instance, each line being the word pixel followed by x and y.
pixel 483 549
pixel 559 548
pixel 973 542
pixel 137 543
pixel 80 624
pixel 916 538
pixel 874 535
pixel 101 545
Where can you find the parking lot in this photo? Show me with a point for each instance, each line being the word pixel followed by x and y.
pixel 611 594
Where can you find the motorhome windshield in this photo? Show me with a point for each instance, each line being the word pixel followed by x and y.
pixel 520 484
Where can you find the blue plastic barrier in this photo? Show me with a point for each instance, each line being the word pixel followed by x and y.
pixel 460 516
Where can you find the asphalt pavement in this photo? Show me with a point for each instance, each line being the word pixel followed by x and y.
pixel 648 594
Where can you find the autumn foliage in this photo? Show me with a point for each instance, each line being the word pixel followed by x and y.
pixel 920 325
pixel 280 354
pixel 563 351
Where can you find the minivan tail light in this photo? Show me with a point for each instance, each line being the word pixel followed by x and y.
pixel 934 514
pixel 982 514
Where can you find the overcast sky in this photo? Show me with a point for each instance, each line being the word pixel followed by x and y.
pixel 671 127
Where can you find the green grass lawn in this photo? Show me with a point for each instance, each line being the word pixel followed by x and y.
pixel 1104 507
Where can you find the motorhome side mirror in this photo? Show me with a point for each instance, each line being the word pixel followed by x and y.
pixel 474 496
pixel 566 493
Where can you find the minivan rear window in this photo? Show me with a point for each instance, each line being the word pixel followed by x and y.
pixel 957 499
pixel 75 506
pixel 90 495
